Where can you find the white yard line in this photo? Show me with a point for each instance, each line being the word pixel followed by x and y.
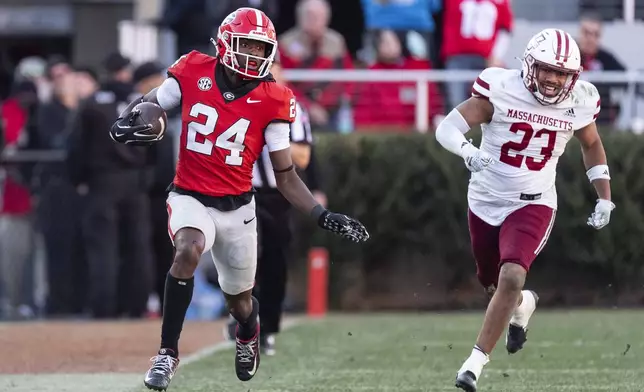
pixel 226 344
pixel 100 382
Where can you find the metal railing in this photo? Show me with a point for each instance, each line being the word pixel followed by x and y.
pixel 422 78
pixel 419 77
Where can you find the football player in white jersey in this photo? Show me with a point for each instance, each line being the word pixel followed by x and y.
pixel 527 116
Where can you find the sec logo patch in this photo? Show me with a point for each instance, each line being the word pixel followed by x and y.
pixel 204 84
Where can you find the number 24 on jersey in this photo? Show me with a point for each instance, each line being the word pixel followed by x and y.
pixel 232 139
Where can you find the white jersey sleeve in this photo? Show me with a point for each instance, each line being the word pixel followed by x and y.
pixel 586 97
pixel 485 86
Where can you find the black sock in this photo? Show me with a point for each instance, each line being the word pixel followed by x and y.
pixel 248 328
pixel 177 297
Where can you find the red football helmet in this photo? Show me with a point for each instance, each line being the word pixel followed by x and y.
pixel 252 24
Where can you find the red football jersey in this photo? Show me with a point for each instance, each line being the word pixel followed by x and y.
pixel 471 26
pixel 223 128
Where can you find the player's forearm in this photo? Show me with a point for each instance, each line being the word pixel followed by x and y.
pixel 593 154
pixel 450 132
pixel 152 96
pixel 597 169
pixel 130 107
pixel 149 97
pixel 295 191
pixel 602 187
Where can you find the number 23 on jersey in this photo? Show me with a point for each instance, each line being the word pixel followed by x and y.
pixel 231 140
pixel 529 134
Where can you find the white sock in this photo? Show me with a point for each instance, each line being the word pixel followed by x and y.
pixel 523 312
pixel 475 362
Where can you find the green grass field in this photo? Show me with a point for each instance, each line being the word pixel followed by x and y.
pixel 566 351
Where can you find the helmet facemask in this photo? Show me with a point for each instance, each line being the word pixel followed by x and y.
pixel 232 54
pixel 540 91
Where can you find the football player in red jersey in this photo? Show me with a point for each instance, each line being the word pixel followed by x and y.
pixel 231 107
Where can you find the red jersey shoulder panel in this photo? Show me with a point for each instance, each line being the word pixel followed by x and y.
pixel 281 100
pixel 179 68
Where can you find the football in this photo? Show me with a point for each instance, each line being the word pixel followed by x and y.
pixel 154 115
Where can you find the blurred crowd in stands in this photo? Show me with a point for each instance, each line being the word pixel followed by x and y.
pixel 46 107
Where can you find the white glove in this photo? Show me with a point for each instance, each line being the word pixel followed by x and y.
pixel 475 159
pixel 601 216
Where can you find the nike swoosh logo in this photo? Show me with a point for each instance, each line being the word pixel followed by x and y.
pixel 248 221
pixel 120 134
pixel 252 101
pixel 254 369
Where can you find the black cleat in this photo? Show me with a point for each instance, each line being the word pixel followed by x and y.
pixel 466 381
pixel 517 335
pixel 160 374
pixel 247 356
pixel 267 344
pixel 516 338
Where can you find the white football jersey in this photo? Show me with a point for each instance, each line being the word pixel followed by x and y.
pixel 527 139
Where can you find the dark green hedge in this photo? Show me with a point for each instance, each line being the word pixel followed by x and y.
pixel 411 195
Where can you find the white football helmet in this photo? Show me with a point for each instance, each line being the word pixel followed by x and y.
pixel 556 50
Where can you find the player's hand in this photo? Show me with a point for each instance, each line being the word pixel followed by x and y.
pixel 125 131
pixel 601 216
pixel 475 159
pixel 343 225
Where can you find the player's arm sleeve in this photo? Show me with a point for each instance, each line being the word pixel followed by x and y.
pixel 169 94
pixel 450 132
pixel 277 136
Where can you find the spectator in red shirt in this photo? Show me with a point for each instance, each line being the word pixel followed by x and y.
pixel 383 104
pixel 476 35
pixel 312 44
pixel 16 232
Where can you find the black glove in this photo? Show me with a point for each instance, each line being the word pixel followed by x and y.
pixel 124 130
pixel 340 224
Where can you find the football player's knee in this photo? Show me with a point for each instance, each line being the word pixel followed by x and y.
pixel 512 276
pixel 188 253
